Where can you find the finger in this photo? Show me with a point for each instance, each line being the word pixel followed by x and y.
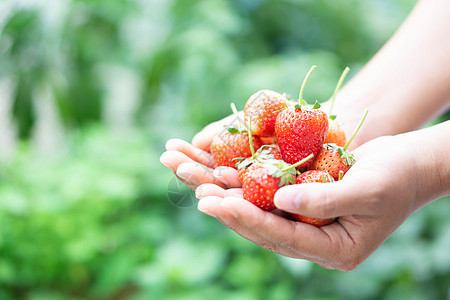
pixel 202 140
pixel 349 196
pixel 192 152
pixel 172 159
pixel 228 175
pixel 303 239
pixel 196 174
pixel 206 190
pixel 214 207
pixel 271 231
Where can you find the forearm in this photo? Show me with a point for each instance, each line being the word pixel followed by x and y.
pixel 406 83
pixel 432 147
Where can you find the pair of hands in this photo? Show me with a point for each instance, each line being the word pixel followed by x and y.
pixel 393 175
pixel 372 200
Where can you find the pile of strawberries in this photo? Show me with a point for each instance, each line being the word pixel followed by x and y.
pixel 296 143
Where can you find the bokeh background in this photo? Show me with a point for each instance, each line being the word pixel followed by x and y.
pixel 89 93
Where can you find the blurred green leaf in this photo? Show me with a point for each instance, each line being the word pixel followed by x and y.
pixel 85 211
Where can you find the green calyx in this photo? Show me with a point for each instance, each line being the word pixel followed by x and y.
pixel 278 169
pixel 286 171
pixel 316 105
pixel 233 130
pixel 348 157
pixel 262 154
pixel 306 106
pixel 275 167
pixel 328 178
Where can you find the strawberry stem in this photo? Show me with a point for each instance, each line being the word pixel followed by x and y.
pixel 338 86
pixel 356 131
pixel 341 174
pixel 234 109
pixel 298 163
pixel 250 137
pixel 236 114
pixel 300 97
pixel 330 179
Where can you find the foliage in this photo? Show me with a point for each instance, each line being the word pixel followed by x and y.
pixel 86 209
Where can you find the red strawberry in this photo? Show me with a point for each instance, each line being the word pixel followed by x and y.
pixel 301 130
pixel 309 177
pixel 335 134
pixel 259 187
pixel 275 152
pixel 231 144
pixel 242 171
pixel 266 152
pixel 263 108
pixel 263 178
pixel 313 176
pixel 334 159
pixel 269 140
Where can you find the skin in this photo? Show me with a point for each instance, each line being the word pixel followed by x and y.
pixel 398 170
pixel 405 85
pixel 393 177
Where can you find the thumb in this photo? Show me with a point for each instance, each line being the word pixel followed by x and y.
pixel 325 200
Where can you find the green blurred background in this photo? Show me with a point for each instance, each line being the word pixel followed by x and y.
pixel 89 93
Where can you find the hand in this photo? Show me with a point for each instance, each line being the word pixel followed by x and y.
pixel 393 176
pixel 193 164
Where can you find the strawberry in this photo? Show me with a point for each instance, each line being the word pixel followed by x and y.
pixel 334 159
pixel 301 130
pixel 230 144
pixel 233 143
pixel 274 151
pixel 264 177
pixel 263 108
pixel 269 140
pixel 266 152
pixel 309 177
pixel 259 186
pixel 335 134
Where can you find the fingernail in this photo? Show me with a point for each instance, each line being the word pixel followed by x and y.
pixel 163 159
pixel 202 206
pixel 183 177
pixel 182 172
pixel 198 192
pixel 169 144
pixel 288 199
pixel 208 213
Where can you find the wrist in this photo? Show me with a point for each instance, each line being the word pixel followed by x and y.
pixel 432 163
